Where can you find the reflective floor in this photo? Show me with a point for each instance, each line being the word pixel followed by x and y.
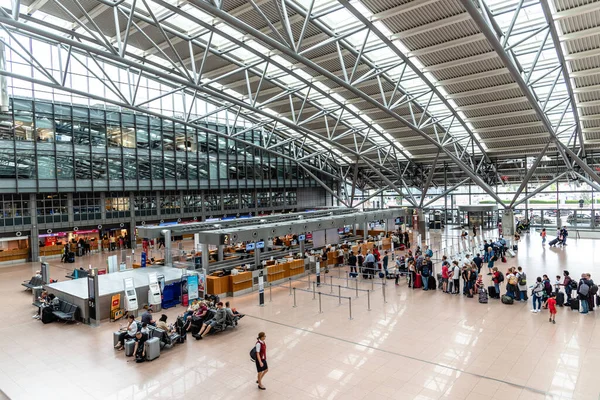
pixel 416 345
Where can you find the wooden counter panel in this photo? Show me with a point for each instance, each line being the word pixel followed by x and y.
pixel 218 284
pixel 241 281
pixel 16 254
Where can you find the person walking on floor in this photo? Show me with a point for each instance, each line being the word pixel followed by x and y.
pixel 474 230
pixel 543 235
pixel 551 304
pixel 261 359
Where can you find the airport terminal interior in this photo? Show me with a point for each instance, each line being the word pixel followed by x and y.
pixel 299 199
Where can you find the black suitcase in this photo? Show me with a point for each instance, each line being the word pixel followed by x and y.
pixel 71 257
pixel 47 315
pixel 492 292
pixel 560 299
pixel 515 247
pixel 431 285
pixel 574 304
pixel 553 242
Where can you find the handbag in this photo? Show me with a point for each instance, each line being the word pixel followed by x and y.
pixel 253 354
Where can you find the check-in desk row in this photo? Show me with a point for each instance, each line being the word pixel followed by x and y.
pixel 242 283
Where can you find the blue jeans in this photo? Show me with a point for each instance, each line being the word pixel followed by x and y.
pixel 522 292
pixel 568 291
pixel 585 306
pixel 425 280
pixel 497 286
pixel 544 240
pixel 537 300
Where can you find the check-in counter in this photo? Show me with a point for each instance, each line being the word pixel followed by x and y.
pixel 219 285
pixel 241 283
pixel 276 272
pixel 296 267
pixel 51 250
pixel 386 243
pixel 14 255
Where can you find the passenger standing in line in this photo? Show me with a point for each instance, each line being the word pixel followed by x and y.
pixel 261 359
pixel 583 290
pixel 593 292
pixel 489 258
pixel 474 230
pixel 536 295
pixel 522 284
pixel 543 235
pixel 406 239
pixel 455 277
pixel 497 280
pixel 385 262
pixel 478 262
pixel 352 262
pixel 567 284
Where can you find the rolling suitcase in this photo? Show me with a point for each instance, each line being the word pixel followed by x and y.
pixel 560 299
pixel 574 303
pixel 440 283
pixel 553 242
pixel 431 285
pixel 129 346
pixel 483 296
pixel 418 282
pixel 71 257
pixel 116 337
pixel 503 259
pixel 152 348
pixel 510 252
pixel 492 292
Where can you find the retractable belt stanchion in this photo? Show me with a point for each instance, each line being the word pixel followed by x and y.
pixel 357 288
pixel 320 310
pixel 340 294
pixel 294 297
pixel 331 284
pixel 368 301
pixel 383 288
pixel 309 280
pixel 314 290
pixel 290 286
pixel 270 292
pixel 350 307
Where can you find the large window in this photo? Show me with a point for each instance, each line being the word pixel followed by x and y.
pixel 14 209
pixel 86 206
pixel 52 208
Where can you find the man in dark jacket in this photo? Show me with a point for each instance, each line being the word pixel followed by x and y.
pixel 352 262
pixel 583 290
pixel 478 261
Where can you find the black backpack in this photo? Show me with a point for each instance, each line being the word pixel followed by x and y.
pixel 500 277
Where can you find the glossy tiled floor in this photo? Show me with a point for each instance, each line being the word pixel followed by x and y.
pixel 418 345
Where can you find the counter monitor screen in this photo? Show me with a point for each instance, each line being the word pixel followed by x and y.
pixel 301 238
pixel 130 293
pixel 346 229
pixel 250 246
pixel 260 245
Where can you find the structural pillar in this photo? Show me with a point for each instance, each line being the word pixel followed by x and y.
pixel 220 252
pixel 366 230
pixel 422 224
pixel 34 233
pixel 205 258
pixel 168 254
pixel 508 223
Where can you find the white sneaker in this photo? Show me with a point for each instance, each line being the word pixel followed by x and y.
pixel 34 316
pixel 538 310
pixel 533 311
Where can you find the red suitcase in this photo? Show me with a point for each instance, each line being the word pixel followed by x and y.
pixel 418 282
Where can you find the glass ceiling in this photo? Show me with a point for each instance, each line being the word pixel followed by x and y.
pixel 527 37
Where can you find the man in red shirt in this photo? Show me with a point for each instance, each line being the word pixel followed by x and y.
pixel 551 303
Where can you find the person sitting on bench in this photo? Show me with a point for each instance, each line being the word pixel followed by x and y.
pixel 128 332
pixel 162 324
pixel 147 317
pixel 197 316
pixel 43 302
pixel 218 319
pixel 140 350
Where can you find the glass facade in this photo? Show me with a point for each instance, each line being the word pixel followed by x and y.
pixel 45 145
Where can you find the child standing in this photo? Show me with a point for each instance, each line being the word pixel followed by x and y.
pixel 551 303
pixel 557 284
pixel 543 235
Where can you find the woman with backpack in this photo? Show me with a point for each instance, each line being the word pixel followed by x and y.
pixel 537 293
pixel 547 289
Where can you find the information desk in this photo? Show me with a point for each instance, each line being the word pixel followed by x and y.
pixel 51 250
pixel 76 291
